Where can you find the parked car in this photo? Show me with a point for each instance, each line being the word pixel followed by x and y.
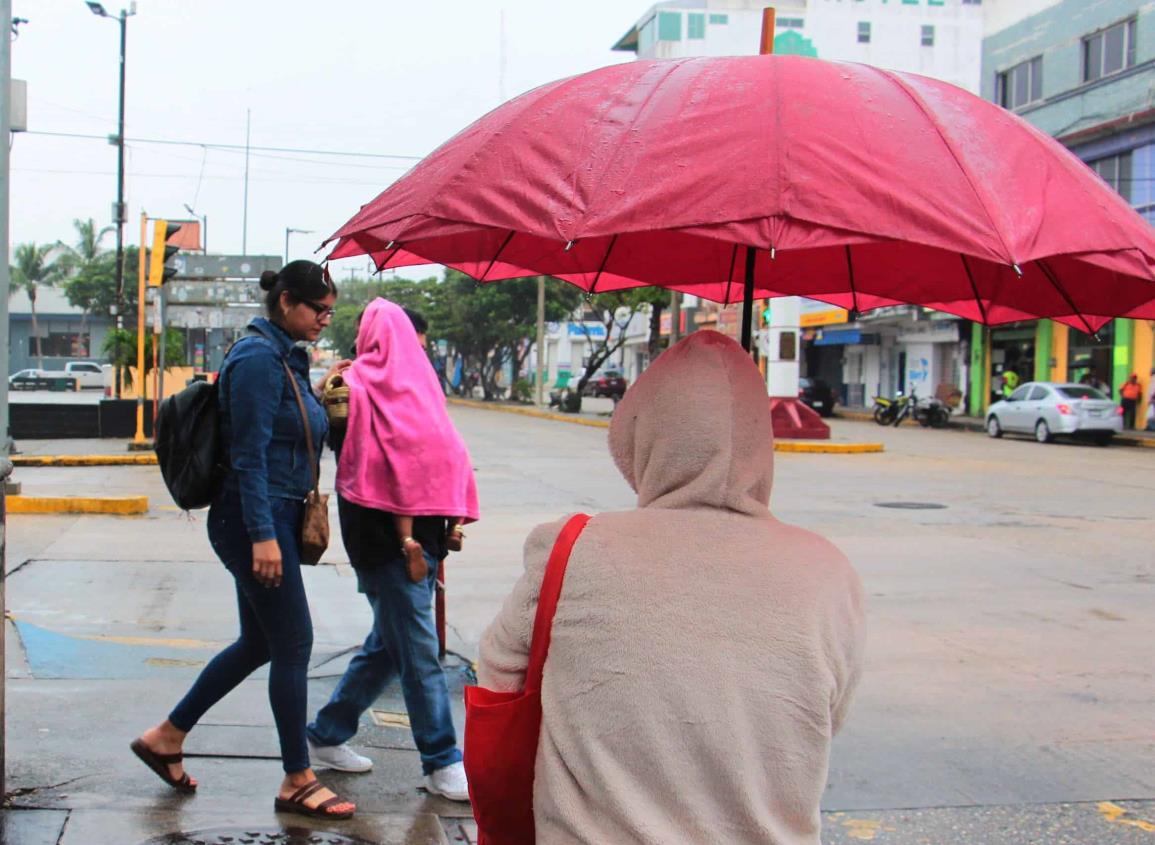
pixel 42 380
pixel 611 383
pixel 1050 410
pixel 816 394
pixel 89 375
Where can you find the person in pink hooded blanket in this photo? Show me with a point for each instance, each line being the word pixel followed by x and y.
pixel 404 482
pixel 418 465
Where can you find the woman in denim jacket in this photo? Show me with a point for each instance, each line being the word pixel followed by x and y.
pixel 254 526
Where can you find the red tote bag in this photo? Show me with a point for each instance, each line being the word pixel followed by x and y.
pixel 502 728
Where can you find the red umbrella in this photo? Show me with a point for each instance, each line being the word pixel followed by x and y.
pixel 782 175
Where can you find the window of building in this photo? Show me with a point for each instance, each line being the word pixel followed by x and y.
pixel 936 2
pixel 927 35
pixel 669 26
pixel 972 2
pixel 719 20
pixel 789 23
pixel 1021 84
pixel 1109 51
pixel 695 26
pixel 1115 171
pixel 61 345
pixel 647 35
pixel 864 32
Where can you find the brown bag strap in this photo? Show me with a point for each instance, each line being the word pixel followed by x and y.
pixel 305 421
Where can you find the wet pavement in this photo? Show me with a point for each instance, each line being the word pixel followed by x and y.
pixel 1008 694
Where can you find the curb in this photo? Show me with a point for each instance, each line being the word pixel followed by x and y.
pixel 83 460
pixel 796 446
pixel 977 428
pixel 115 505
pixel 823 448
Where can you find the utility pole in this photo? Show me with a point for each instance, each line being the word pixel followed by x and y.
pixel 5 466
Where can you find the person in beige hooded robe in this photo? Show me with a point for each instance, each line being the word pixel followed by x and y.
pixel 703 653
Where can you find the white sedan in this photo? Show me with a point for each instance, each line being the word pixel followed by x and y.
pixel 1048 410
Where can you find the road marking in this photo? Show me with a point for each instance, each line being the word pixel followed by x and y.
pixel 387 719
pixel 163 642
pixel 864 829
pixel 1114 814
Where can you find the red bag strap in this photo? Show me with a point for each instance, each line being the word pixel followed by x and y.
pixel 547 600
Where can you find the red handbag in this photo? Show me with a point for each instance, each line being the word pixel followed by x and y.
pixel 502 728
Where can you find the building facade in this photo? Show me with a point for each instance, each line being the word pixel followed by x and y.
pixel 66 333
pixel 1082 72
pixel 890 349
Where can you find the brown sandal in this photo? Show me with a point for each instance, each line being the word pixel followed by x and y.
pixel 295 803
pixel 159 763
pixel 415 563
pixel 454 541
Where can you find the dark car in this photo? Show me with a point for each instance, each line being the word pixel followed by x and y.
pixel 816 394
pixel 611 384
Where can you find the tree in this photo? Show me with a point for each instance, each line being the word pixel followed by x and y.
pixel 89 272
pixel 423 295
pixel 615 311
pixel 33 268
pixel 120 347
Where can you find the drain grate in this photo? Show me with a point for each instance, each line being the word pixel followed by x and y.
pixel 911 506
pixel 255 836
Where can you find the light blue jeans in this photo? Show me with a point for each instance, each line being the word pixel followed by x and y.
pixel 402 643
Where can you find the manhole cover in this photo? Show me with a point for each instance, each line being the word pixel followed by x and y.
pixel 911 506
pixel 255 836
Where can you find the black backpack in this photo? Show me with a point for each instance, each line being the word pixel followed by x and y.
pixel 188 445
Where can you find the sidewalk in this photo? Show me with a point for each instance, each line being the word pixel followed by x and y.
pixel 1127 438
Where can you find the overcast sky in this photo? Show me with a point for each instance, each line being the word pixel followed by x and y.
pixel 371 76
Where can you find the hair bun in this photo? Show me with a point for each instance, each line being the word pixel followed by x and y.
pixel 268 279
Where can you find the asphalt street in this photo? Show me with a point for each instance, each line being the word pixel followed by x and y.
pixel 1007 698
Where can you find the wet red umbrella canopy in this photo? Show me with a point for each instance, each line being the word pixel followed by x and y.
pixel 841 182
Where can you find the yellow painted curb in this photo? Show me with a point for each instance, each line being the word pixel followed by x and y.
pixel 779 446
pixel 530 412
pixel 823 448
pixel 1144 442
pixel 116 505
pixel 83 460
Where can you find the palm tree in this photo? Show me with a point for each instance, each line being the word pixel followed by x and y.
pixel 33 268
pixel 79 264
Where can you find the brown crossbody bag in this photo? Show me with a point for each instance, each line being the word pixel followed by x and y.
pixel 315 524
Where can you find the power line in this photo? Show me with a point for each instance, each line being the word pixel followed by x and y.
pixel 209 145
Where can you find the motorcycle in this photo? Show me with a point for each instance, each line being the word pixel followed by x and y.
pixel 932 413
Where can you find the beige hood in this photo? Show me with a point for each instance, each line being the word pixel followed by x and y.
pixel 694 430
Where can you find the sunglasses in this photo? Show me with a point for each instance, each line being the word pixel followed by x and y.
pixel 322 311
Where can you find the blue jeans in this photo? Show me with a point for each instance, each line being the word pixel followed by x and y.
pixel 402 642
pixel 275 628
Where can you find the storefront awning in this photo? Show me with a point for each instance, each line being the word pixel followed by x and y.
pixel 844 337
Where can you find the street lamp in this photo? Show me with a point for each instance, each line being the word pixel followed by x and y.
pixel 289 231
pixel 119 214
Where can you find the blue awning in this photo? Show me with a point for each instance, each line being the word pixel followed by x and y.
pixel 838 338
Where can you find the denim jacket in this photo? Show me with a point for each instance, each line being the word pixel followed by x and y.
pixel 261 424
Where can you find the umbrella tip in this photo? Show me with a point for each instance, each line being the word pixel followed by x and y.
pixel 569 245
pixel 1018 270
pixel 773 252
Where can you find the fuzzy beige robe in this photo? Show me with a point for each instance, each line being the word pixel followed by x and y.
pixel 703 653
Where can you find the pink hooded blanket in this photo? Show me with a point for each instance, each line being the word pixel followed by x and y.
pixel 402 453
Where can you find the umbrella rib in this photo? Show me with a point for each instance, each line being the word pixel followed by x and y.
pixel 605 261
pixel 974 288
pixel 1053 279
pixel 497 254
pixel 853 292
pixel 730 276
pixel 964 168
pixel 381 267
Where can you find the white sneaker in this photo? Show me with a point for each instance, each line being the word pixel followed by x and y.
pixel 449 782
pixel 340 757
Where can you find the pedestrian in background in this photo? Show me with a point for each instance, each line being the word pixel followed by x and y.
pixel 703 654
pixel 399 456
pixel 254 526
pixel 1151 402
pixel 1129 395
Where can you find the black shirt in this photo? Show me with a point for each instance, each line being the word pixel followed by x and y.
pixel 370 535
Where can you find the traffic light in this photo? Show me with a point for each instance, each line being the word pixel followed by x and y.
pixel 160 270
